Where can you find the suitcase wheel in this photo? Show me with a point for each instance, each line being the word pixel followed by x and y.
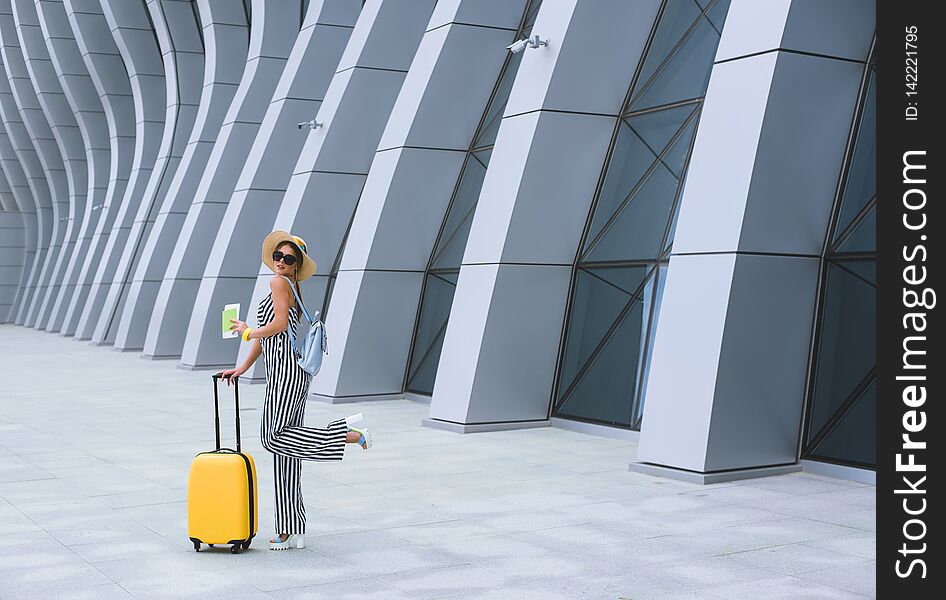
pixel 235 549
pixel 245 545
pixel 196 546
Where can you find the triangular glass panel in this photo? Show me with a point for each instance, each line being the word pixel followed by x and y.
pixel 599 297
pixel 467 195
pixel 486 136
pixel 866 269
pixel 452 255
pixel 606 390
pixel 686 75
pixel 864 237
pixel 422 381
pixel 658 128
pixel 854 438
pixel 847 348
pixel 676 157
pixel 629 161
pixel 861 184
pixel 448 277
pixel 638 231
pixel 435 310
pixel 717 14
pixel 676 19
pixel 668 243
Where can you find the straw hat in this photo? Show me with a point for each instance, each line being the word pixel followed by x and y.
pixel 279 237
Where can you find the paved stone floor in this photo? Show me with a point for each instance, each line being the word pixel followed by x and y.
pixel 94 453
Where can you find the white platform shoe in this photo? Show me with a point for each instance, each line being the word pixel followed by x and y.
pixel 367 440
pixel 295 540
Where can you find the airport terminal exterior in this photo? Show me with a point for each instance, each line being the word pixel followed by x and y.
pixel 655 219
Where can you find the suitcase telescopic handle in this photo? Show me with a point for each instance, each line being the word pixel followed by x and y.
pixel 236 397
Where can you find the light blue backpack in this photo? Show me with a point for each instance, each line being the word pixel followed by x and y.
pixel 313 343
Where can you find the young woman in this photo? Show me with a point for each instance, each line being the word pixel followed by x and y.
pixel 287 386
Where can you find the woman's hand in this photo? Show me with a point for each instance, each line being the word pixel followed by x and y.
pixel 226 375
pixel 238 326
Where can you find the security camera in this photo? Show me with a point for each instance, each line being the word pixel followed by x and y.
pixel 517 47
pixel 308 124
pixel 532 42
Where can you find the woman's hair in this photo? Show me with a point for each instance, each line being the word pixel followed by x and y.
pixel 299 258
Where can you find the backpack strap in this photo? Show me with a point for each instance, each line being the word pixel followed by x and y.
pixel 298 299
pixel 312 322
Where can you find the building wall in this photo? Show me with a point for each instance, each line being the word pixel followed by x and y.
pixel 194 107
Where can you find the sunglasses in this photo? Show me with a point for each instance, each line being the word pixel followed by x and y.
pixel 288 259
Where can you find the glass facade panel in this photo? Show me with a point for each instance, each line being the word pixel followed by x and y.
pixel 861 185
pixel 600 296
pixel 633 215
pixel 461 211
pixel 852 440
pixel 864 236
pixel 847 349
pixel 677 18
pixel 687 73
pixel 841 422
pixel 606 389
pixel 431 326
pixel 638 231
pixel 494 114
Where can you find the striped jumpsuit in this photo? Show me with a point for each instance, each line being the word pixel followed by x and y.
pixel 287 386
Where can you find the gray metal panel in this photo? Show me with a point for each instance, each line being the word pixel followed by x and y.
pixel 805 132
pixel 447 87
pixel 538 190
pixel 273 31
pixel 71 149
pixel 842 28
pixel 26 154
pixel 501 346
pixel 713 203
pixel 763 361
pixel 15 180
pixel 752 27
pixel 488 13
pixel 401 209
pixel 688 340
pixel 182 54
pixel 110 80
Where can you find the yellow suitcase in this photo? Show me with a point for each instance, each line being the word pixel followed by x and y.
pixel 222 497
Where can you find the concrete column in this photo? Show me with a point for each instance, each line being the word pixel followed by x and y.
pixel 225 37
pixel 407 193
pixel 275 26
pixel 12 249
pixel 297 99
pixel 137 45
pixel 328 179
pixel 84 103
pixel 7 201
pixel 22 196
pixel 69 143
pixel 182 51
pixel 726 387
pixel 27 158
pixel 111 80
pixel 44 143
pixel 499 352
pixel 352 115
